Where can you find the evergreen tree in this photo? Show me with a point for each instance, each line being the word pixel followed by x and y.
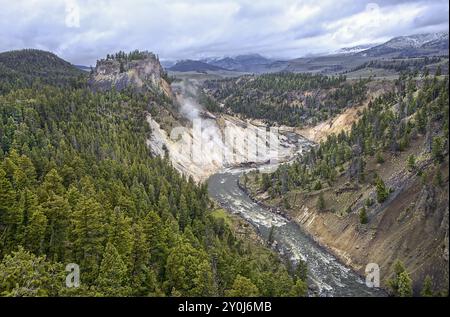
pixel 437 149
pixel 411 163
pixel 242 287
pixel 301 271
pixel 300 288
pixel 113 278
pixel 35 230
pixel 183 213
pixel 24 274
pixel 321 203
pixel 187 271
pixel 400 284
pixel 88 235
pixel 10 214
pixel 382 191
pixel 404 285
pixel 120 232
pixel 56 210
pixel 427 289
pixel 363 216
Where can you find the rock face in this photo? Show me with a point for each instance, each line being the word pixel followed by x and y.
pixel 141 73
pixel 203 144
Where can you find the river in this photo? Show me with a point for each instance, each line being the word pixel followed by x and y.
pixel 326 275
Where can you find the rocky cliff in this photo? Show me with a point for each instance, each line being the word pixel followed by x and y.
pixel 140 71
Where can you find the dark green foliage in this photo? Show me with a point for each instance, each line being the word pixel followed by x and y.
pixel 78 184
pixel 437 149
pixel 411 163
pixel 380 128
pixel 401 65
pixel 369 202
pixel 29 67
pixel 133 55
pixel 382 191
pixel 380 159
pixel 243 287
pixel 24 274
pixel 400 284
pixel 363 216
pixel 275 97
pixel 301 271
pixel 427 289
pixel 321 202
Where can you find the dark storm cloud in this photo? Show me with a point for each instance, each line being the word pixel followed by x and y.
pixel 85 30
pixel 435 15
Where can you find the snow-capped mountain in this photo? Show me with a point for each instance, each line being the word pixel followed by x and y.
pixel 416 41
pixel 354 49
pixel 410 45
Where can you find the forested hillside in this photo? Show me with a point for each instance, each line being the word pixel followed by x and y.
pixel 382 127
pixel 390 171
pixel 26 67
pixel 78 185
pixel 285 98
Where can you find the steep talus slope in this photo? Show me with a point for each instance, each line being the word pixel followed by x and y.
pixel 412 225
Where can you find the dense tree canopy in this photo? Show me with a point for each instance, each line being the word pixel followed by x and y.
pixel 78 184
pixel 292 99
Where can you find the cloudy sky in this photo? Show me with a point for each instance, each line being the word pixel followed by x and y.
pixel 83 30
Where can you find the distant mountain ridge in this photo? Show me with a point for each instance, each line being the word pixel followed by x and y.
pixel 411 45
pixel 189 65
pixel 354 49
pixel 242 63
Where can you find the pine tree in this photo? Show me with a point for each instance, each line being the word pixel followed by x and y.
pixel 382 192
pixel 301 271
pixel 242 287
pixel 300 288
pixel 56 209
pixel 363 216
pixel 437 149
pixel 35 231
pixel 265 182
pixel 24 274
pixel 321 203
pixel 120 232
pixel 142 278
pixel 404 285
pixel 183 213
pixel 157 239
pixel 427 289
pixel 187 271
pixel 400 284
pixel 411 163
pixel 10 215
pixel 164 206
pixel 112 279
pixel 270 238
pixel 379 157
pixel 52 183
pixel 204 281
pixel 88 235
